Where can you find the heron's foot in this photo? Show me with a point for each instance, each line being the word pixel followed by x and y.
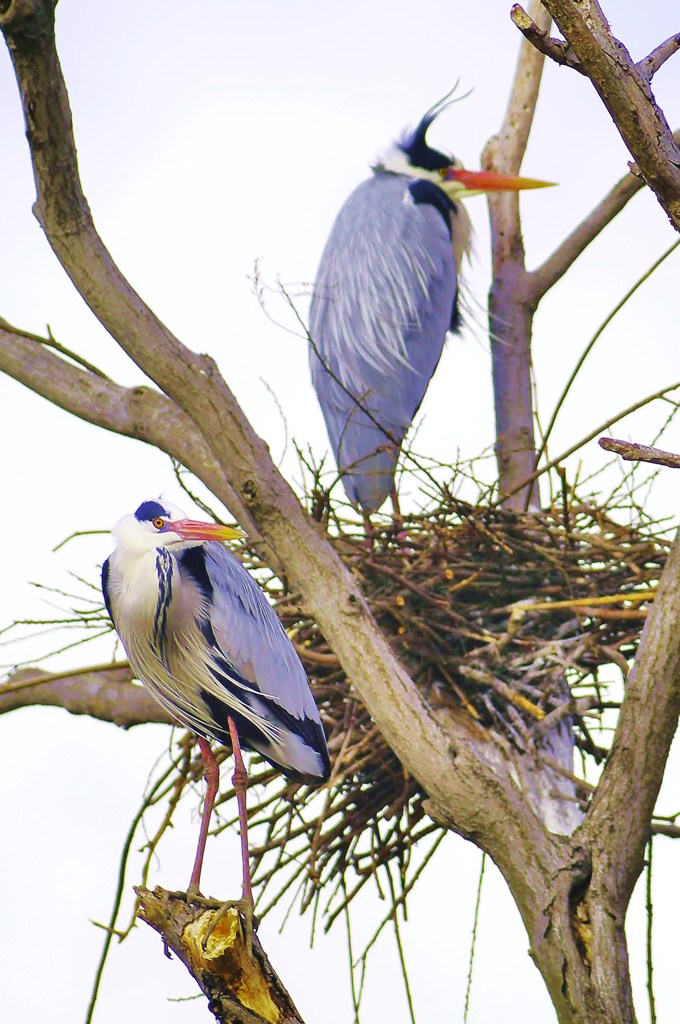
pixel 245 908
pixel 246 912
pixel 193 895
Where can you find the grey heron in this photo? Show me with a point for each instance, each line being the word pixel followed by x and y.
pixel 385 296
pixel 199 632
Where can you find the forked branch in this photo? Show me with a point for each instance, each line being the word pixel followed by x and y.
pixel 623 86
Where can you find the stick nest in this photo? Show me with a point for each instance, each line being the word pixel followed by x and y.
pixel 503 617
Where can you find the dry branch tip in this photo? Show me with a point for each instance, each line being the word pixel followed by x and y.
pixel 557 50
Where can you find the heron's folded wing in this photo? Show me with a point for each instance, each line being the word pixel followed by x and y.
pixel 251 637
pixel 383 300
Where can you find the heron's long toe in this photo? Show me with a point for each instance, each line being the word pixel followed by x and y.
pixel 246 911
pixel 245 908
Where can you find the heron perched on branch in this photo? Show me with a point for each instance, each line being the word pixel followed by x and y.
pixel 199 632
pixel 385 296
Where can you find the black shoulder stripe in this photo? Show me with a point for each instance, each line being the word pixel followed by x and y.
pixel 426 193
pixel 105 588
pixel 192 561
pixel 456 318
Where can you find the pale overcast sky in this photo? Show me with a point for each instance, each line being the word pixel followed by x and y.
pixel 212 136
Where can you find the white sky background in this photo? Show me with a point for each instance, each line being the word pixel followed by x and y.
pixel 211 136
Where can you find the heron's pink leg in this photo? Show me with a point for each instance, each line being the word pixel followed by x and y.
pixel 396 515
pixel 368 531
pixel 240 782
pixel 396 511
pixel 212 777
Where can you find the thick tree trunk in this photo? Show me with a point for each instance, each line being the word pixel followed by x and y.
pixel 510 332
pixel 510 315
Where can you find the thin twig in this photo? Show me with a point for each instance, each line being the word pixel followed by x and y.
pixel 473 944
pixel 118 897
pixel 589 347
pixel 400 947
pixel 650 920
pixel 356 996
pixel 51 342
pixel 52 677
pixel 593 434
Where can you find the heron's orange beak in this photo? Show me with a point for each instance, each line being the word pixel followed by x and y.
pixel 491 181
pixel 191 529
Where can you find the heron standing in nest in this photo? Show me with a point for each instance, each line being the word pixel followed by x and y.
pixel 385 296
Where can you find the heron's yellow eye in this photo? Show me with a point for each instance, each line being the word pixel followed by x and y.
pixel 158 523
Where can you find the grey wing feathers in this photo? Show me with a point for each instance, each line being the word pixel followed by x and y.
pixel 381 308
pixel 251 636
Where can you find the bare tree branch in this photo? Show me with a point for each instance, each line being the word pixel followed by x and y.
pixel 51 342
pixel 624 89
pixel 105 692
pixel 661 828
pixel 617 827
pixel 140 412
pixel 540 280
pixel 505 151
pixel 649 65
pixel 633 452
pixel 509 315
pixel 563 456
pixel 556 49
